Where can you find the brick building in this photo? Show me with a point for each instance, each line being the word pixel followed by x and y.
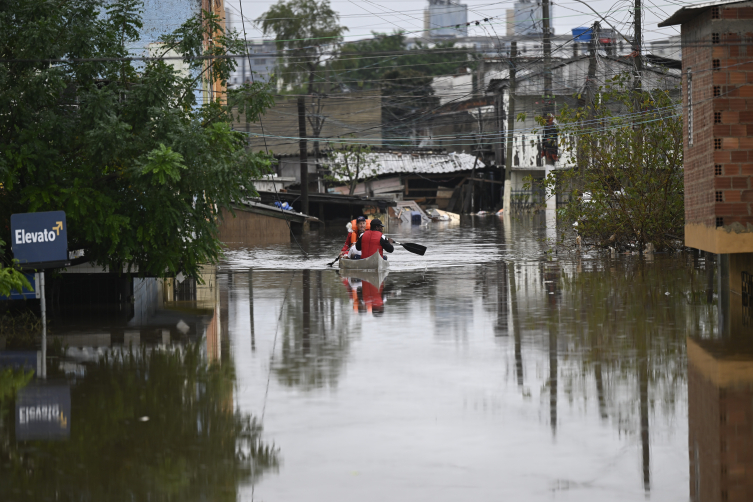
pixel 720 416
pixel 717 62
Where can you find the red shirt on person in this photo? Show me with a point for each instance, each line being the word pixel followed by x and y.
pixel 372 241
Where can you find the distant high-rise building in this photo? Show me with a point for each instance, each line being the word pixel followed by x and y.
pixel 445 19
pixel 529 17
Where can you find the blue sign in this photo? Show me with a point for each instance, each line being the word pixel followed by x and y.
pixel 39 237
pixel 25 294
pixel 20 359
pixel 43 412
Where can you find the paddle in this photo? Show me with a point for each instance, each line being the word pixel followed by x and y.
pixel 413 248
pixel 333 261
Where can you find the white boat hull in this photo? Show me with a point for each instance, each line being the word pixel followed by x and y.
pixel 374 263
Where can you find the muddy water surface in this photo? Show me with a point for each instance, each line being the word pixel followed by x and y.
pixel 490 369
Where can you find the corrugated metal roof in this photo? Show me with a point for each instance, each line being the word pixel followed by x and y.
pixel 401 163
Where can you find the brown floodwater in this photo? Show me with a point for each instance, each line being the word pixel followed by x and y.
pixel 492 368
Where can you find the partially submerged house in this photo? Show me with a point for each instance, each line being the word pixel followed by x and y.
pixel 449 181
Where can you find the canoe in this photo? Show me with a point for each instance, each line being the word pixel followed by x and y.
pixel 375 278
pixel 374 263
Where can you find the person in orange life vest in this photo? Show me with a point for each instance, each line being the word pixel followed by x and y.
pixel 372 241
pixel 359 225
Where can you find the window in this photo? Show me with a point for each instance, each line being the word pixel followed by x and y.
pixel 716 63
pixel 717 117
pixel 690 107
pixel 715 14
pixel 260 61
pixel 717 169
pixel 717 144
pixel 717 91
pixel 719 221
pixel 719 197
pixel 714 38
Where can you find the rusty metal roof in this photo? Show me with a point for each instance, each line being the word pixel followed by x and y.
pixel 421 163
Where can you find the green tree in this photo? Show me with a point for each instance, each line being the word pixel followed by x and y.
pixel 404 77
pixel 625 182
pixel 306 33
pixel 363 64
pixel 352 163
pixel 139 157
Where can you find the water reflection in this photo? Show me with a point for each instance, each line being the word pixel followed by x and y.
pixel 510 377
pixel 720 416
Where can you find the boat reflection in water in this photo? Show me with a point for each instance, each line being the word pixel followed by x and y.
pixel 367 290
pixel 720 410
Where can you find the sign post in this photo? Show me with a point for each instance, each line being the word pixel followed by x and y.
pixel 40 241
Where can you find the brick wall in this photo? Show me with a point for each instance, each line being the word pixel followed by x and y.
pixel 719 162
pixel 720 426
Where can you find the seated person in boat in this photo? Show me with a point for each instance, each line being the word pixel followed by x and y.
pixel 373 241
pixel 359 226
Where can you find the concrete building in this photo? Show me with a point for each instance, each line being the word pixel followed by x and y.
pixel 257 66
pixel 718 107
pixel 529 17
pixel 445 19
pixel 563 46
pixel 530 155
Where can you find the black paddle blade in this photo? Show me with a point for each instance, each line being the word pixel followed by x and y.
pixel 414 248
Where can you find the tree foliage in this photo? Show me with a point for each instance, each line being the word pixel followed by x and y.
pixel 306 33
pixel 192 447
pixel 352 163
pixel 625 182
pixel 140 155
pixel 364 64
pixel 404 77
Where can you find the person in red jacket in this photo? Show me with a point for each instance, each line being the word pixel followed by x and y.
pixel 372 241
pixel 359 226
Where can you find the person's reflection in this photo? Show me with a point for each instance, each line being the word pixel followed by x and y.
pixel 367 292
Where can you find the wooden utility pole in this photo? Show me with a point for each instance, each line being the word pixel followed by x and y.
pixel 304 160
pixel 506 203
pixel 548 108
pixel 637 40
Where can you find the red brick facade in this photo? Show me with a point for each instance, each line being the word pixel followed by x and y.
pixel 720 426
pixel 718 55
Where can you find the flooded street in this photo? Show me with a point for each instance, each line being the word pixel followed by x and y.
pixel 489 369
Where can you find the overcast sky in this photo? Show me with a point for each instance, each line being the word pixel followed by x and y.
pixel 364 16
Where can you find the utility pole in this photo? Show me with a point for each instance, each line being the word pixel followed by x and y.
pixel 304 160
pixel 510 127
pixel 637 40
pixel 547 61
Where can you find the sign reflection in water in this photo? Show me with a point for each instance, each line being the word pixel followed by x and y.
pixel 43 412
